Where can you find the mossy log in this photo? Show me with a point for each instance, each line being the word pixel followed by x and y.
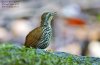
pixel 19 55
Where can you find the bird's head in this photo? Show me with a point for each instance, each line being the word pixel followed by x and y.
pixel 47 18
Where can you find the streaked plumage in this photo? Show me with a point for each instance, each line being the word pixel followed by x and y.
pixel 40 36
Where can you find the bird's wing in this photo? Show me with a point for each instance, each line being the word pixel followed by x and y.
pixel 33 37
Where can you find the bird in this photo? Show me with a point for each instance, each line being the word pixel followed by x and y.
pixel 40 37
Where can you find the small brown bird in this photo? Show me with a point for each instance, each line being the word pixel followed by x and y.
pixel 41 36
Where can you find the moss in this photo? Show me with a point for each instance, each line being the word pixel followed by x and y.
pixel 15 55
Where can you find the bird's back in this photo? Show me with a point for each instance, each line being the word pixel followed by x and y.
pixel 39 37
pixel 33 37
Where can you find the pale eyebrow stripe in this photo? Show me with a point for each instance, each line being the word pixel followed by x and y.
pixel 50 18
pixel 47 16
